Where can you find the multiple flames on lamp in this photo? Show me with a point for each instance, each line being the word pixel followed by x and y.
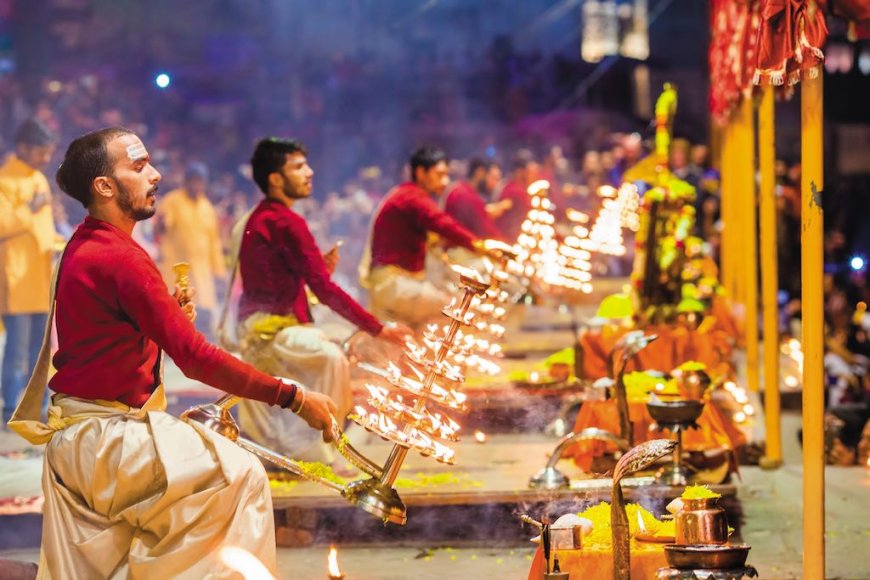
pixel 427 376
pixel 568 263
pixel 618 212
pixel 478 344
pixel 540 254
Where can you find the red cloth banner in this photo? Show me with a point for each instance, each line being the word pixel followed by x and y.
pixel 789 42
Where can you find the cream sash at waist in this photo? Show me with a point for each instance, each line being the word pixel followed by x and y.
pixel 67 410
pixel 381 274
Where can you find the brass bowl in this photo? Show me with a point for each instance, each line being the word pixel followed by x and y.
pixel 683 412
pixel 693 384
pixel 707 557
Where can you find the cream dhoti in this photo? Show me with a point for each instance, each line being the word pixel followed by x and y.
pixel 408 297
pixel 305 354
pixel 138 493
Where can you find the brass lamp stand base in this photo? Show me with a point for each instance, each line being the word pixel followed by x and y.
pixel 378 499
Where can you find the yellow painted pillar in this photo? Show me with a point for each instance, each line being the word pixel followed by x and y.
pixel 747 231
pixel 769 280
pixel 726 199
pixel 812 329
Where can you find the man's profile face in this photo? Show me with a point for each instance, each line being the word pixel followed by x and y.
pixel 297 175
pixel 433 180
pixel 135 179
pixel 492 179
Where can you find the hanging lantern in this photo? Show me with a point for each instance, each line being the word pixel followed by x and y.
pixel 635 44
pixel 600 30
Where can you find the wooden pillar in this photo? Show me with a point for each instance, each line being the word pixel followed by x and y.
pixel 812 327
pixel 746 263
pixel 727 201
pixel 769 280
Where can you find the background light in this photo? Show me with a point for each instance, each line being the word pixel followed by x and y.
pixel 162 80
pixel 857 263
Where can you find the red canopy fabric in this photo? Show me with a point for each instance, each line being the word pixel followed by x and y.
pixel 734 25
pixel 789 42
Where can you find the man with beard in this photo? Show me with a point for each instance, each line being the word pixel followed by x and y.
pixel 131 491
pixel 278 260
pixel 394 269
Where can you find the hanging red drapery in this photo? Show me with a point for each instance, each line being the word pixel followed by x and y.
pixel 734 25
pixel 789 42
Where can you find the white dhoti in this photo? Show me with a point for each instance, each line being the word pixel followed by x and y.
pixel 403 296
pixel 304 354
pixel 142 494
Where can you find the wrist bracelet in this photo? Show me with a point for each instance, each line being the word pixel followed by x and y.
pixel 296 389
pixel 300 390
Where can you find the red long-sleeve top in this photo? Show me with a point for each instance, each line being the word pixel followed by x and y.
pixel 114 315
pixel 511 221
pixel 278 258
pixel 467 207
pixel 399 231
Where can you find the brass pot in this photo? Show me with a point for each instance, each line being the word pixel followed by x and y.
pixel 693 384
pixel 701 521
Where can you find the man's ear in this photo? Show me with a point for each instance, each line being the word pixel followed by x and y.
pixel 103 186
pixel 275 179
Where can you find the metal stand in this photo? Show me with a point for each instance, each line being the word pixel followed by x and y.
pixel 676 474
pixel 552 478
pixel 735 574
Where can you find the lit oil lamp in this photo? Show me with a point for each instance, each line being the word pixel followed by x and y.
pixel 332 565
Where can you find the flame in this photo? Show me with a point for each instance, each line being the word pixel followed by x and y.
pixel 244 563
pixel 641 527
pixel 538 186
pixel 332 563
pixel 480 436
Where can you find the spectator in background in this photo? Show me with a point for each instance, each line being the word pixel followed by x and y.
pixel 27 239
pixel 190 233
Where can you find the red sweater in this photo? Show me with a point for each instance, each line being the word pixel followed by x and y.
pixel 278 258
pixel 511 221
pixel 114 315
pixel 399 231
pixel 466 206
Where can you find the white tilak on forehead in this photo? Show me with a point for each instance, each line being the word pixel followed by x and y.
pixel 136 151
